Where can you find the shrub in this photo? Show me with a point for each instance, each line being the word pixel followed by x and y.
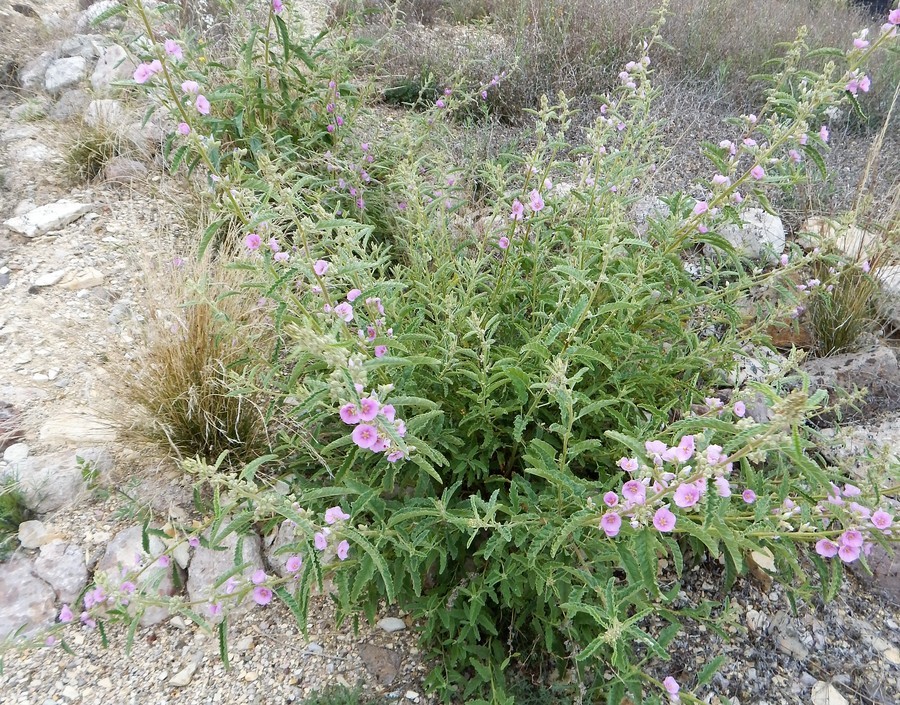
pixel 12 513
pixel 514 400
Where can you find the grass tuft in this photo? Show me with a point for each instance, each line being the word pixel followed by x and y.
pixel 12 513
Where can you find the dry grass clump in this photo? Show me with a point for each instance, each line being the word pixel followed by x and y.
pixel 92 148
pixel 202 330
pixel 579 46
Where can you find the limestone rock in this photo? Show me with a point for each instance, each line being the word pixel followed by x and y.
pixel 851 241
pixel 112 66
pixel 49 217
pixel 648 208
pixel 87 46
pixel 71 104
pixel 122 170
pixel 88 16
pixel 32 110
pixel 49 278
pixel 33 534
pixel 382 663
pixel 31 76
pixel 48 482
pixel 759 237
pixel 391 624
pixel 16 452
pixel 876 369
pixel 62 566
pixel 889 301
pixel 77 427
pixel 64 73
pixel 826 694
pixel 208 566
pixel 25 600
pixel 276 544
pixel 126 552
pixel 106 111
pixel 86 278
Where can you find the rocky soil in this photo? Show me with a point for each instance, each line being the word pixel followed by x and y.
pixel 74 260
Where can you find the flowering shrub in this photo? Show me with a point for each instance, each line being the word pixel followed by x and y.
pixel 514 401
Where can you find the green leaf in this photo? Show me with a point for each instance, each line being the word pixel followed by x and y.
pixel 223 641
pixel 357 539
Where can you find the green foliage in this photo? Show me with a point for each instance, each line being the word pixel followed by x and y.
pixel 12 513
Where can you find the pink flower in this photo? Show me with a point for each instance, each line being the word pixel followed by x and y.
pixel 518 210
pixel 611 523
pixel 723 487
pixel 252 241
pixel 281 257
pixel 230 585
pixel 664 520
pixel 293 564
pixel 381 445
pixel 262 595
pixel 381 350
pixel 349 414
pixel 258 577
pixel 344 311
pixel 320 542
pixel 335 514
pixel 720 180
pixel 634 492
pixel 795 156
pixel 851 537
pixel 365 435
pixel 353 295
pixel 277 7
pixel 143 73
pixel 894 16
pixel 536 201
pixel 343 550
pixel 65 614
pixel 215 609
pixel 395 456
pixel 684 450
pixel 184 129
pixel 656 450
pixel 740 409
pixel 671 685
pixel 882 520
pixel 757 172
pixel 440 103
pixel 163 562
pixel 686 495
pixel 628 464
pixel 860 43
pixel 190 87
pixel 320 267
pixel 503 242
pixel 848 554
pixel 389 412
pixel 749 496
pixel 368 408
pixel 823 133
pixel 851 490
pixel 737 197
pixel 826 548
pixel 866 267
pixel 610 499
pixel 193 542
pixel 202 105
pixel 701 207
pixel 173 50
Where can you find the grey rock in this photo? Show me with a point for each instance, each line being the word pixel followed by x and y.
pixel 789 644
pixel 889 301
pixel 87 46
pixel 125 553
pixel 31 76
pixel 71 105
pixel 95 462
pixel 25 600
pixel 122 170
pixel 49 278
pixel 885 576
pixel 183 677
pixel 16 452
pixel 64 73
pixel 48 482
pixel 62 566
pixel 146 138
pixel 113 65
pixel 276 547
pixel 826 694
pixel 648 208
pixel 33 534
pixel 382 663
pixel 760 236
pixel 88 16
pixel 49 217
pixel 104 112
pixel 208 566
pixel 876 369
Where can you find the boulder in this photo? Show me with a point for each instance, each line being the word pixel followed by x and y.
pixel 104 111
pixel 208 566
pixel 71 105
pixel 113 65
pixel 889 301
pixel 31 75
pixel 122 170
pixel 26 601
pixel 87 18
pixel 876 369
pixel 125 553
pixel 64 73
pixel 849 240
pixel 62 566
pixel 48 482
pixel 33 534
pixel 87 46
pixel 759 237
pixel 49 217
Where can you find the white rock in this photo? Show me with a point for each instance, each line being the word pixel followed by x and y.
pixel 31 76
pixel 50 278
pixel 826 694
pixel 183 677
pixel 70 692
pixel 64 73
pixel 106 111
pixel 77 427
pixel 87 278
pixel 25 599
pixel 62 566
pixel 761 236
pixel 32 534
pixel 391 624
pixel 48 482
pixel 207 566
pixel 46 218
pixel 113 65
pixel 86 18
pixel 889 301
pixel 16 452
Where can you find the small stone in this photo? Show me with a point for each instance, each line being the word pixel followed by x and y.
pixel 826 694
pixel 105 683
pixel 33 534
pixel 70 692
pixel 122 170
pixel 48 217
pixel 412 695
pixel 756 621
pixel 40 377
pixel 62 566
pixel 792 646
pixel 104 112
pixel 251 676
pixel 50 278
pixel 314 648
pixel 16 452
pixel 71 105
pixel 244 644
pixel 178 622
pixel 391 624
pixel 183 677
pixel 86 278
pixel 22 359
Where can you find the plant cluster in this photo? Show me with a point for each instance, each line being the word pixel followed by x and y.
pixel 499 402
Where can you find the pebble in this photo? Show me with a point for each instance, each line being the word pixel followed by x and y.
pixel 16 452
pixel 70 692
pixel 826 694
pixel 412 695
pixel 32 534
pixel 391 624
pixel 184 676
pixel 50 278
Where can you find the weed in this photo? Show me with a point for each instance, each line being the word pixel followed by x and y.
pixel 12 513
pixel 92 148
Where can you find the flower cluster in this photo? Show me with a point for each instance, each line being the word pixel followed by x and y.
pixel 376 424
pixel 842 506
